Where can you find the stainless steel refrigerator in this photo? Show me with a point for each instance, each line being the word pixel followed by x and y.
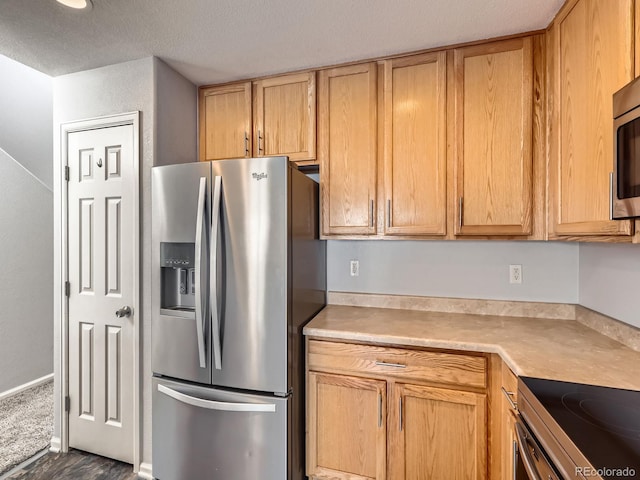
pixel 238 269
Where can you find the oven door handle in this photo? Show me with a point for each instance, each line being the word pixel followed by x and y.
pixel 524 452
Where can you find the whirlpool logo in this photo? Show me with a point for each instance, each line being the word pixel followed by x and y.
pixel 259 176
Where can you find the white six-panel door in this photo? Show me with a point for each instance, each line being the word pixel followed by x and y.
pixel 101 258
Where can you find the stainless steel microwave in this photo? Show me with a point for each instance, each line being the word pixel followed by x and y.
pixel 625 179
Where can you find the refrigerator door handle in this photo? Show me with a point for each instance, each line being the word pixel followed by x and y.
pixel 213 272
pixel 200 232
pixel 215 405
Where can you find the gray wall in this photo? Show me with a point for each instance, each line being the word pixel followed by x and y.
pixel 462 269
pixel 609 280
pixel 151 87
pixel 26 256
pixel 26 116
pixel 176 120
pixel 26 214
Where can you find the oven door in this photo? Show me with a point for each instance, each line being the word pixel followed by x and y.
pixel 532 462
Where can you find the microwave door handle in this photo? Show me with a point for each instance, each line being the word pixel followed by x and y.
pixel 199 266
pixel 213 272
pixel 610 195
pixel 216 405
pixel 525 454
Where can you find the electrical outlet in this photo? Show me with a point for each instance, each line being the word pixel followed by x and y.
pixel 354 268
pixel 515 273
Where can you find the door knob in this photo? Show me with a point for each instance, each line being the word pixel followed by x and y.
pixel 123 312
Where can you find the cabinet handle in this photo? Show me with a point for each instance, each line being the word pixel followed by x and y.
pixel 610 195
pixel 389 213
pixel 371 215
pixel 260 149
pixel 460 206
pixel 246 144
pixel 509 396
pixel 514 466
pixel 400 413
pixel 379 409
pixel 388 364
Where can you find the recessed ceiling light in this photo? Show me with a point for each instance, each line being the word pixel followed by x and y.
pixel 77 4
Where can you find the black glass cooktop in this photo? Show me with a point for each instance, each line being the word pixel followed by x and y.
pixel 603 423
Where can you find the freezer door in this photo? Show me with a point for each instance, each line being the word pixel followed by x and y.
pixel 180 330
pixel 249 273
pixel 201 432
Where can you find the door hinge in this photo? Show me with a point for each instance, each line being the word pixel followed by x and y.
pixel 66 172
pixel 67 404
pixel 67 289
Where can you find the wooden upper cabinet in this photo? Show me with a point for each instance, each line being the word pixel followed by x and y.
pixel 225 121
pixel 346 428
pixel 437 434
pixel 285 117
pixel 492 130
pixel 347 149
pixel 415 149
pixel 593 56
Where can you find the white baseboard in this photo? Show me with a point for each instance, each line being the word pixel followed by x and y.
pixel 145 471
pixel 56 445
pixel 21 388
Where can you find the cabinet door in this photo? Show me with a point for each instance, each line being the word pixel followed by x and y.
pixel 593 50
pixel 493 108
pixel 507 422
pixel 347 149
pixel 436 433
pixel 346 427
pixel 225 121
pixel 415 147
pixel 508 446
pixel 285 117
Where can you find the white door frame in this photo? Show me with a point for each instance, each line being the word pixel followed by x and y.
pixel 131 118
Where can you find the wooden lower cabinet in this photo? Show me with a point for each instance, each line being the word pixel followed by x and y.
pixel 346 427
pixel 437 434
pixel 376 413
pixel 507 405
pixel 508 446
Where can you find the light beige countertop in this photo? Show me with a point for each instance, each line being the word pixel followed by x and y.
pixel 554 349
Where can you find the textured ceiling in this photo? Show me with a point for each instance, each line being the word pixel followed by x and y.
pixel 211 41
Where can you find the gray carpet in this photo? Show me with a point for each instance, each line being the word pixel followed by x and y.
pixel 26 425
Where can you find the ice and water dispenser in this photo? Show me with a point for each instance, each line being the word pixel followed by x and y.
pixel 177 279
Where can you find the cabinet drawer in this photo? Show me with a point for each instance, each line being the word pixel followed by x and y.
pixel 398 363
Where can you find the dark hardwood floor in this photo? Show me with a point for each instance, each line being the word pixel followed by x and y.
pixel 75 465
